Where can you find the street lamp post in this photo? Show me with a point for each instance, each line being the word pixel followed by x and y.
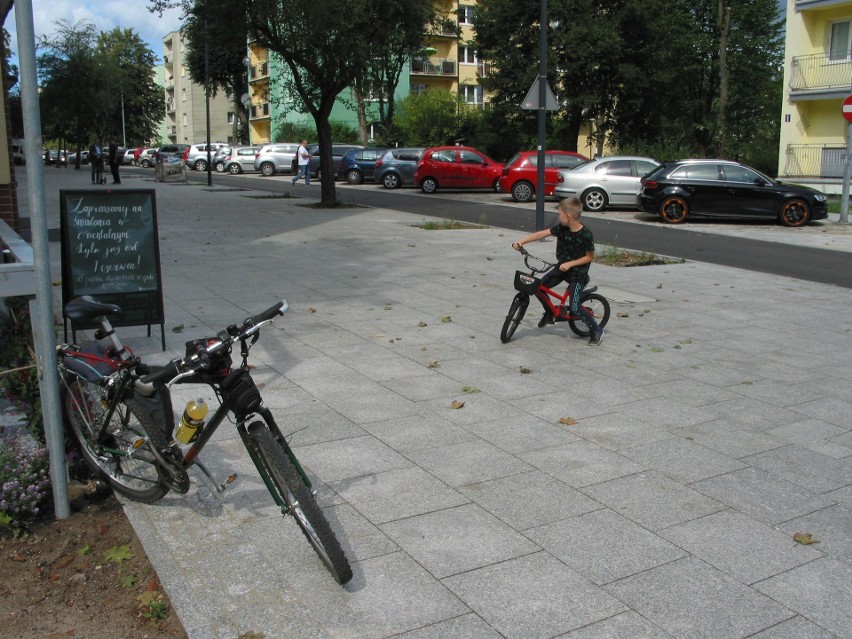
pixel 247 97
pixel 542 115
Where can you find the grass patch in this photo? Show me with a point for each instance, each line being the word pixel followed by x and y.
pixel 614 256
pixel 448 225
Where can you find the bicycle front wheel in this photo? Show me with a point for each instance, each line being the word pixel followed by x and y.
pixel 130 469
pixel 595 304
pixel 300 502
pixel 516 313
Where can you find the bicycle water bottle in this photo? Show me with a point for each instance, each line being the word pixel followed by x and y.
pixel 192 420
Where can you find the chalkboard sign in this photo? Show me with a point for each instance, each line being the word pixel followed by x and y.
pixel 110 250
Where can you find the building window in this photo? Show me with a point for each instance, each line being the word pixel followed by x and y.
pixel 467 55
pixel 184 119
pixel 183 95
pixel 840 46
pixel 231 118
pixel 472 94
pixel 466 14
pixel 182 71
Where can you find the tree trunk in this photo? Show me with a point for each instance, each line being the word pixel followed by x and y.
pixel 724 22
pixel 328 192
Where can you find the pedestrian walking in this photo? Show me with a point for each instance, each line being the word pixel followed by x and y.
pixel 114 161
pixel 96 160
pixel 303 158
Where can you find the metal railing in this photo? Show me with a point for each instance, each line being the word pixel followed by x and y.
pixel 434 66
pixel 814 160
pixel 820 71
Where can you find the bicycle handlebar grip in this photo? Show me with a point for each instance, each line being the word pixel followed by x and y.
pixel 169 371
pixel 269 313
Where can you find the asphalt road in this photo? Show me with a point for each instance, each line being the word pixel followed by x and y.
pixel 802 262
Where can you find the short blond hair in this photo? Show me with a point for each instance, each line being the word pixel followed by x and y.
pixel 571 205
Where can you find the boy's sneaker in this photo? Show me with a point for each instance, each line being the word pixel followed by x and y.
pixel 546 319
pixel 596 337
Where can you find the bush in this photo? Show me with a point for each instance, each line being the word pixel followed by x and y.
pixel 16 352
pixel 24 479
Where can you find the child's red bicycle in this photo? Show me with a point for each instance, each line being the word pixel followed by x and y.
pixel 528 284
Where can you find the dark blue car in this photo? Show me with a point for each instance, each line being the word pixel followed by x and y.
pixel 358 165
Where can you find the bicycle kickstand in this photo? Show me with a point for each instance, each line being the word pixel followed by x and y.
pixel 220 488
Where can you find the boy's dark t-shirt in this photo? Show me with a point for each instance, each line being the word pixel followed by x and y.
pixel 573 245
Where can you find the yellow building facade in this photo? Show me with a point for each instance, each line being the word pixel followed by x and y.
pixel 817 77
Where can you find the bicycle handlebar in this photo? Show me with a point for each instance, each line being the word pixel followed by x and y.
pixel 527 256
pixel 188 365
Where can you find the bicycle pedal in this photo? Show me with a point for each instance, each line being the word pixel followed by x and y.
pixel 228 481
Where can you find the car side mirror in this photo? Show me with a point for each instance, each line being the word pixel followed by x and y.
pixel 760 181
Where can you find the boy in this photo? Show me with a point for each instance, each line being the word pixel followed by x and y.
pixel 575 250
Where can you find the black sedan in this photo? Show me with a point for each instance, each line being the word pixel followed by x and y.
pixel 720 188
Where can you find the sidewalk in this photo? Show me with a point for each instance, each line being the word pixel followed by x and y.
pixel 712 424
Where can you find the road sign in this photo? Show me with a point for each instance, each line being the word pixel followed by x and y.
pixel 531 101
pixel 847 108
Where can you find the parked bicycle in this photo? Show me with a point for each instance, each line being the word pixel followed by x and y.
pixel 559 305
pixel 120 411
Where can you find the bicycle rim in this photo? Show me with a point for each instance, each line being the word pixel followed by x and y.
pixel 300 502
pixel 516 313
pixel 598 306
pixel 133 472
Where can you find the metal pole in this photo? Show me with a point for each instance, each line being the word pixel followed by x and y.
pixel 42 308
pixel 847 175
pixel 207 103
pixel 542 116
pixel 123 130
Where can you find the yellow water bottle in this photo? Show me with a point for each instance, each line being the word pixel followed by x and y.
pixel 192 420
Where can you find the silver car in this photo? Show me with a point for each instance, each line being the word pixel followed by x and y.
pixel 196 158
pixel 218 159
pixel 276 158
pixel 601 182
pixel 240 159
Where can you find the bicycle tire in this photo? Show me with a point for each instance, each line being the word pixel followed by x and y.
pixel 598 306
pixel 137 475
pixel 300 502
pixel 517 310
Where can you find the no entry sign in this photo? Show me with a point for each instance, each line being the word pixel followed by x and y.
pixel 847 108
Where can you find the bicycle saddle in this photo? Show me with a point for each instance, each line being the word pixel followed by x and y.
pixel 87 307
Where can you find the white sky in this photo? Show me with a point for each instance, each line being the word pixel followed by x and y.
pixel 105 14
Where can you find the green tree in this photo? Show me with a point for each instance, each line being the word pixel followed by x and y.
pixel 216 35
pixel 430 118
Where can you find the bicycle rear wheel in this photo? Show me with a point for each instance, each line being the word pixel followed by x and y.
pixel 132 471
pixel 300 502
pixel 595 304
pixel 516 313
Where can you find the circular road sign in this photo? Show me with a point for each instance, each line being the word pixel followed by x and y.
pixel 847 108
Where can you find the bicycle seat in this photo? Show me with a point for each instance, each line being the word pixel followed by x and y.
pixel 87 307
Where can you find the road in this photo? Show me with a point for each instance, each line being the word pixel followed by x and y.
pixel 780 258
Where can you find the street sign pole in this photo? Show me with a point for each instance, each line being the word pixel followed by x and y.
pixel 542 116
pixel 846 109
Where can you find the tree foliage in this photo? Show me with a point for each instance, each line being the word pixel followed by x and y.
pixel 85 77
pixel 647 72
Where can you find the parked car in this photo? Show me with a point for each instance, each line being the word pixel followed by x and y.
pixel 55 157
pixel 240 159
pixel 196 155
pixel 147 157
pixel 218 159
pixel 359 165
pixel 604 181
pixel 169 151
pixel 276 158
pixel 128 156
pixel 457 167
pixel 520 174
pixel 396 167
pixel 337 152
pixel 720 188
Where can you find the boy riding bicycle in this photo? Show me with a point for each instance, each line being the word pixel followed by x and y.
pixel 575 250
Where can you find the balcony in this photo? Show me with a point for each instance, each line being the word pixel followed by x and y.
pixel 170 106
pixel 434 66
pixel 814 161
pixel 259 111
pixel 259 71
pixel 820 73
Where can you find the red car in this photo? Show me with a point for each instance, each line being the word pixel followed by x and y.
pixel 457 167
pixel 520 174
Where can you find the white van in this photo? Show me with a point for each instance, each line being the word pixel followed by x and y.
pixel 18 153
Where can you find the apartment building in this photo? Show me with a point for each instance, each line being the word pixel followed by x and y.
pixel 186 110
pixel 447 61
pixel 817 77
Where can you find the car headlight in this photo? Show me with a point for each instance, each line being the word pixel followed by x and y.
pixel 819 197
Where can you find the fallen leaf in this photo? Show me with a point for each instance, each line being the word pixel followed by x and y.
pixel 457 404
pixel 568 421
pixel 524 370
pixel 806 539
pixel 432 365
pixel 312 309
pixel 117 554
pixel 660 285
pixel 422 324
pixel 63 562
pixel 446 319
pixel 622 314
pixel 388 308
pixel 470 390
pixel 128 581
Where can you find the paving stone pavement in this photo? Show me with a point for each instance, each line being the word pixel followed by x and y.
pixel 711 425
